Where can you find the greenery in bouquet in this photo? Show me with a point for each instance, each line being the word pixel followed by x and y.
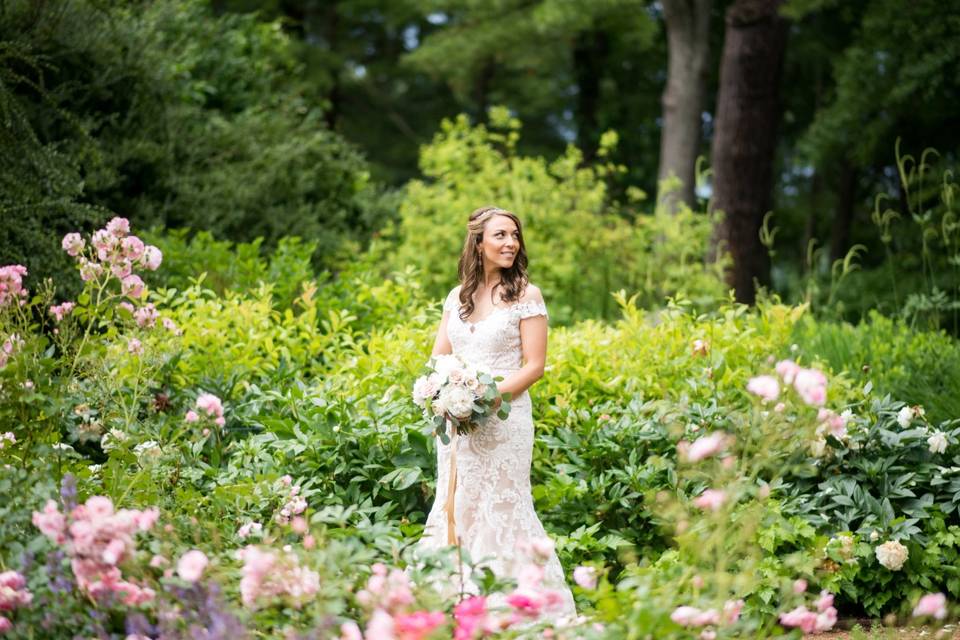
pixel 459 393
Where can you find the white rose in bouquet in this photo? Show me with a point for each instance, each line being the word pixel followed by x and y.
pixel 445 364
pixel 458 400
pixel 424 388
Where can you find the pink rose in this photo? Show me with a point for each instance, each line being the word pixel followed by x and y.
pixel 132 286
pixel 132 247
pixel 191 416
pixel 812 386
pixel 800 586
pixel 73 244
pixel 191 565
pixel 787 369
pixel 933 605
pixel 800 617
pixel 766 387
pixel 151 258
pixel 586 577
pixel 711 499
pixel 118 227
pixel 706 446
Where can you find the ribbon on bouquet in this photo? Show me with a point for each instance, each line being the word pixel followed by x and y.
pixel 452 488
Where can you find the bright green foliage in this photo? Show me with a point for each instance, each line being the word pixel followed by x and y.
pixel 581 243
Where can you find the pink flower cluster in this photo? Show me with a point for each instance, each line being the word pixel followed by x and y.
pixel 9 345
pixel 532 597
pixel 295 504
pixel 809 621
pixel 210 405
pixel 13 594
pixel 687 616
pixel 389 595
pixel 98 539
pixel 268 575
pixel 810 384
pixel 11 285
pixel 61 310
pixel 710 500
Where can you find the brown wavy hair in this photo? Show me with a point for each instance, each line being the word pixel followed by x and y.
pixel 513 281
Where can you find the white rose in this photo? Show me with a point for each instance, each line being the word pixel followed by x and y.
pixel 445 364
pixel 892 555
pixel 905 417
pixel 937 442
pixel 458 400
pixel 425 387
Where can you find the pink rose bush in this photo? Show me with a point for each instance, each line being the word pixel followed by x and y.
pixel 98 540
pixel 932 605
pixel 12 291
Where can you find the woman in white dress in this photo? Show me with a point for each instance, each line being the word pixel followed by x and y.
pixel 497 319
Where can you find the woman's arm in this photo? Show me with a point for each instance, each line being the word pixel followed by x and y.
pixel 533 345
pixel 442 346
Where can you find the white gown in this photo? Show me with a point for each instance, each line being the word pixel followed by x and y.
pixel 494 510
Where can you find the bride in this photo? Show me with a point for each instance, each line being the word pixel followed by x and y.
pixel 495 318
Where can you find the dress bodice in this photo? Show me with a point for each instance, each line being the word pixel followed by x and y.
pixel 493 341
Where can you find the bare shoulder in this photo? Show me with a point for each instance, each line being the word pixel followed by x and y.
pixel 531 294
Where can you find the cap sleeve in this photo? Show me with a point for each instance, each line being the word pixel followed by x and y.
pixel 452 303
pixel 532 306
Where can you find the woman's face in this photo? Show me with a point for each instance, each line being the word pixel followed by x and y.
pixel 500 242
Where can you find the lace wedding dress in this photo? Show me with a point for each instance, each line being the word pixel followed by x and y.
pixel 493 511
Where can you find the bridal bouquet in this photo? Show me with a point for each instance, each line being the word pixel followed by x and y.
pixel 452 390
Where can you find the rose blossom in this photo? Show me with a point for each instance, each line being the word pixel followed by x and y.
pixel 118 227
pixel 586 577
pixel 711 499
pixel 63 309
pixel 787 369
pixel 933 605
pixel 151 258
pixel 706 446
pixel 132 286
pixel 766 387
pixel 811 384
pixel 937 442
pixel 132 247
pixel 73 244
pixel 191 565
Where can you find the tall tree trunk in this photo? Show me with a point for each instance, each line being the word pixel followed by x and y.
pixel 335 96
pixel 589 57
pixel 748 110
pixel 481 88
pixel 688 43
pixel 843 216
